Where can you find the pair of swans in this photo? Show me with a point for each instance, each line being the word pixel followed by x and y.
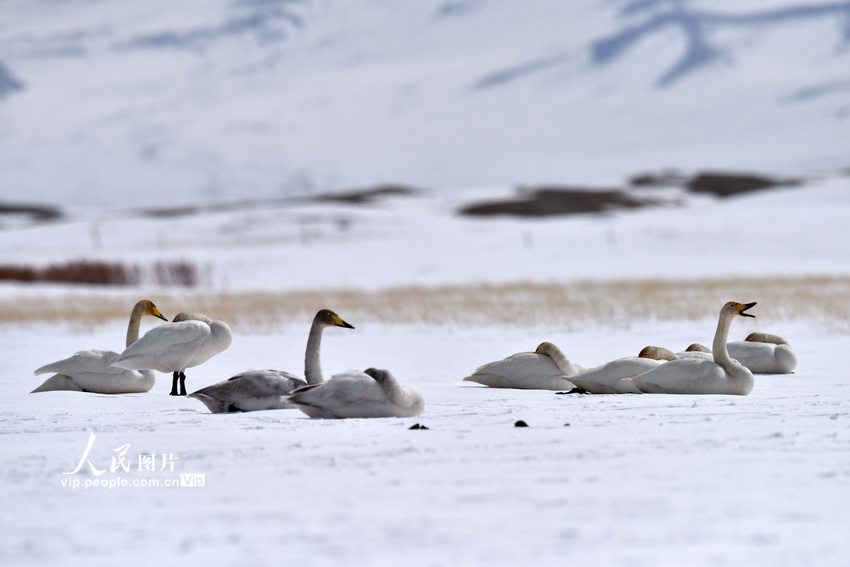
pixel 94 370
pixel 652 371
pixel 762 353
pixel 373 393
pixel 189 340
pixel 548 368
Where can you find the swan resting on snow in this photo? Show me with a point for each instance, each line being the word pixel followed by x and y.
pixel 92 370
pixel 764 353
pixel 722 375
pixel 615 377
pixel 189 340
pixel 372 393
pixel 547 368
pixel 695 350
pixel 254 390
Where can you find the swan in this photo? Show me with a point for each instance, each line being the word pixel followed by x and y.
pixel 372 393
pixel 615 377
pixel 547 368
pixel 722 375
pixel 693 351
pixel 92 370
pixel 254 390
pixel 189 340
pixel 764 353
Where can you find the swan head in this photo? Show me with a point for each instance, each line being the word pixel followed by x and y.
pixel 657 353
pixel 190 316
pixel 545 348
pixel 735 308
pixel 696 347
pixel 379 375
pixel 148 308
pixel 328 318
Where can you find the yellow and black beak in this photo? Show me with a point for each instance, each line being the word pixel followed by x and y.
pixel 743 307
pixel 340 323
pixel 156 313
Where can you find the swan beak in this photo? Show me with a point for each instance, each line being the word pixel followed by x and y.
pixel 744 307
pixel 156 313
pixel 340 323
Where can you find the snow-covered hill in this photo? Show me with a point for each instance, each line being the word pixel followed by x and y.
pixel 152 102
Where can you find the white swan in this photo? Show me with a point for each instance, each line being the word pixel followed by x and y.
pixel 615 377
pixel 189 340
pixel 547 368
pixel 269 389
pixel 722 375
pixel 373 393
pixel 92 370
pixel 764 353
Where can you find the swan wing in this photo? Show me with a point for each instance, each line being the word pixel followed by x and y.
pixel 251 390
pixel 699 355
pixel 611 378
pixel 346 395
pixel 687 376
pixel 526 370
pixel 169 348
pixel 93 371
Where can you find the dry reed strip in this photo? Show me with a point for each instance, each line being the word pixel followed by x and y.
pixel 568 305
pixel 103 273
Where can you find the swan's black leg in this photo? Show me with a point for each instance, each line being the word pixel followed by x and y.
pixel 182 384
pixel 174 384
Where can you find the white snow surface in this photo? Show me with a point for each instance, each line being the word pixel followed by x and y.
pixel 594 480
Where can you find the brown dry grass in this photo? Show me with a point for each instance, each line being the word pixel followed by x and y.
pixel 103 273
pixel 571 305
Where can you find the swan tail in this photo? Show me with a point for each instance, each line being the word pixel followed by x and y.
pixel 213 404
pixel 786 360
pixel 58 382
pixel 303 389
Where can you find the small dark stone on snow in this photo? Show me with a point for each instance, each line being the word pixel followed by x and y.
pixel 520 423
pixel 418 426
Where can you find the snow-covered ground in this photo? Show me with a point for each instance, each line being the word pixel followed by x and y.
pixel 594 480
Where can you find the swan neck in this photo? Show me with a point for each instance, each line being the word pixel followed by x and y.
pixel 721 355
pixel 312 357
pixel 560 359
pixel 394 391
pixel 135 325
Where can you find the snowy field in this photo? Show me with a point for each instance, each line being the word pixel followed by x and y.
pixel 596 480
pixel 593 480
